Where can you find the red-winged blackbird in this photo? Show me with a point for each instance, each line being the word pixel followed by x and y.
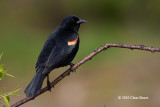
pixel 59 50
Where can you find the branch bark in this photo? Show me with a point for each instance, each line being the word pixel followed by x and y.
pixel 89 57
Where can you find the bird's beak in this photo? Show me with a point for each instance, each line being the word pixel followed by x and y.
pixel 81 21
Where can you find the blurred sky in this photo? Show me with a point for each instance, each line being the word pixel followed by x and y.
pixel 25 25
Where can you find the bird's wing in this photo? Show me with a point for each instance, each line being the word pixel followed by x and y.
pixel 45 53
pixel 58 55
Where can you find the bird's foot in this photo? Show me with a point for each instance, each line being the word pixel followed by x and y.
pixel 48 84
pixel 71 65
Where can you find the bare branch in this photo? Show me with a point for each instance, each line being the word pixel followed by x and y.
pixel 96 51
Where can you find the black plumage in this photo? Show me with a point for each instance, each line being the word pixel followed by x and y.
pixel 59 50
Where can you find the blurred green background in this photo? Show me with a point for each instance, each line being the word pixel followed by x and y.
pixel 25 25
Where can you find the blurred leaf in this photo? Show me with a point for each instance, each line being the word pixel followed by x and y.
pixel 16 89
pixel 1 55
pixel 15 94
pixel 8 98
pixel 2 65
pixel 10 75
pixel 0 74
pixel 6 101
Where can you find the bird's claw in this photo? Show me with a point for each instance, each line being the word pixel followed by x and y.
pixel 48 83
pixel 71 65
pixel 49 86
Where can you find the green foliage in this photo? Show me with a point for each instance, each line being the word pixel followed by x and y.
pixel 3 73
pixel 4 95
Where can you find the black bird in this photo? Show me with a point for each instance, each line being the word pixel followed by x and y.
pixel 59 50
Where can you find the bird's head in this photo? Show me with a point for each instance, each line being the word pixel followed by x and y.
pixel 72 22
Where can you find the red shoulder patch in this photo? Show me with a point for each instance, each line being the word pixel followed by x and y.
pixel 73 42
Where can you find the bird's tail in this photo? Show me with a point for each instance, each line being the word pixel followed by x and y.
pixel 36 83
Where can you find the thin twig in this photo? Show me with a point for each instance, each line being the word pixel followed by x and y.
pixel 96 51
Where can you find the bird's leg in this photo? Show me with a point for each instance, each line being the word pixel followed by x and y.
pixel 48 83
pixel 71 65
